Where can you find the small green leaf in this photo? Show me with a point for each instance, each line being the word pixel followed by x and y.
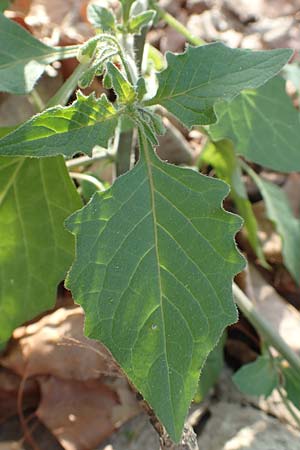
pixel 141 88
pixel 64 130
pixel 264 126
pixel 138 22
pixel 279 211
pixel 154 267
pixel 36 251
pixel 292 385
pixel 87 50
pixel 196 80
pixel 124 90
pixel 23 58
pixel 87 78
pixel 101 18
pixel 257 378
pixel 226 164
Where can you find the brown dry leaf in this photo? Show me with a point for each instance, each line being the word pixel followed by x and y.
pixel 9 389
pixel 55 345
pixel 81 415
pixel 284 318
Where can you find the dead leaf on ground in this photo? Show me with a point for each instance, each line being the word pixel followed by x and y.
pixel 56 345
pixel 81 415
pixel 9 389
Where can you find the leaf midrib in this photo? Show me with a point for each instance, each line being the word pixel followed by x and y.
pixel 144 145
pixel 64 54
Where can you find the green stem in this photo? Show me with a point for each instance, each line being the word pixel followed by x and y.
pixel 65 91
pixel 37 100
pixel 126 139
pixel 102 155
pixel 89 178
pixel 174 23
pixel 124 151
pixel 264 328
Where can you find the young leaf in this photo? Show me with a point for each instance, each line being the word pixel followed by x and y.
pixel 154 267
pixel 225 162
pixel 64 130
pixel 196 80
pixel 87 78
pixel 101 18
pixel 36 251
pixel 264 126
pixel 23 58
pixel 138 22
pixel 279 211
pixel 124 90
pixel 257 378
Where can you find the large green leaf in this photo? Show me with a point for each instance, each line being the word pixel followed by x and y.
pixel 264 126
pixel 226 164
pixel 36 251
pixel 196 80
pixel 64 130
pixel 23 58
pixel 280 212
pixel 257 378
pixel 154 267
